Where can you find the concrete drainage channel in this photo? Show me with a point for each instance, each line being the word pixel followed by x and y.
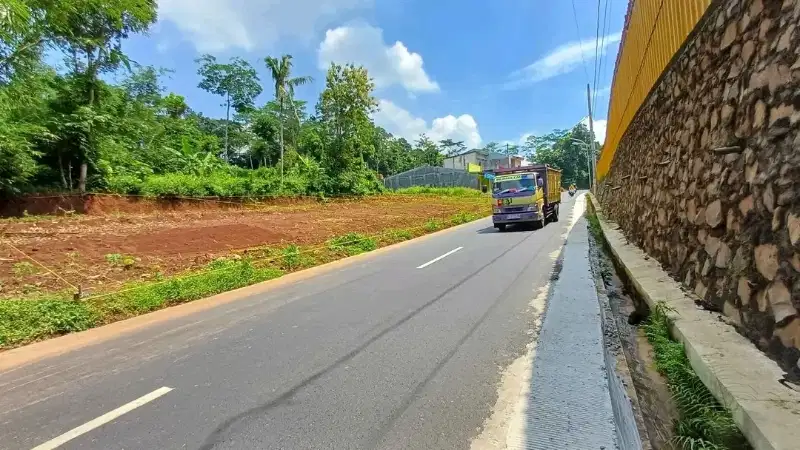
pixel 630 428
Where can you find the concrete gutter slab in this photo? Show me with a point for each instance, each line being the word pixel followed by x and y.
pixel 740 376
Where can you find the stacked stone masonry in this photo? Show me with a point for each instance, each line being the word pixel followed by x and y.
pixel 706 178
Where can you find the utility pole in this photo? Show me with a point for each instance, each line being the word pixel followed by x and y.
pixel 593 187
pixel 508 155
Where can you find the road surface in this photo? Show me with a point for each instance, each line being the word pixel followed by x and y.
pixel 401 349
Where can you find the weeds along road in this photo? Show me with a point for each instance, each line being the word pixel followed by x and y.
pixel 401 349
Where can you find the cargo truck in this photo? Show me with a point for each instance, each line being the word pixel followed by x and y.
pixel 529 195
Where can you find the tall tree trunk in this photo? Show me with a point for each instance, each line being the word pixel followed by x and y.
pixel 227 119
pixel 281 119
pixel 82 179
pixel 69 167
pixel 61 171
pixel 84 170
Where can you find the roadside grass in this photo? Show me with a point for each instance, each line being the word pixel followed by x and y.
pixel 594 225
pixel 352 244
pixel 38 317
pixel 703 423
pixel 433 225
pixel 27 320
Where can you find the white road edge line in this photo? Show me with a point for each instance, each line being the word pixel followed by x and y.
pixel 439 257
pixel 102 420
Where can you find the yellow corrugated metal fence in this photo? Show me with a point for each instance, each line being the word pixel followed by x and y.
pixel 655 30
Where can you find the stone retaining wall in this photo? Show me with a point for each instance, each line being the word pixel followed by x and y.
pixel 706 178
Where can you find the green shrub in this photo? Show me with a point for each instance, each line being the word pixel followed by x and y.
pixel 703 423
pixel 23 268
pixel 223 184
pixel 432 225
pixel 264 182
pixel 29 320
pixel 124 185
pixel 292 258
pixel 399 235
pixel 175 185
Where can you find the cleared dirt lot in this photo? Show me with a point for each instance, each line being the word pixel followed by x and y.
pixel 111 244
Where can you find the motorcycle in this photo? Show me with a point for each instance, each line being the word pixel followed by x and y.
pixel 572 192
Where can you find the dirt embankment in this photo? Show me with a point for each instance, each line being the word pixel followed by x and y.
pixel 103 204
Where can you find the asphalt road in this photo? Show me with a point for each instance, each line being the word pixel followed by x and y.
pixel 375 354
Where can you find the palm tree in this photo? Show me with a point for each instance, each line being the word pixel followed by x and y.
pixel 281 69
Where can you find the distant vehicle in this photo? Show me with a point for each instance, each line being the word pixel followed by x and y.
pixel 572 190
pixel 528 195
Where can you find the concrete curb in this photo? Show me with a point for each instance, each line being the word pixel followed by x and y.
pixel 740 376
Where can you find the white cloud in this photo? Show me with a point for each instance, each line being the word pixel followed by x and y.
pixel 602 92
pixel 388 65
pixel 400 122
pixel 563 59
pixel 600 127
pixel 218 25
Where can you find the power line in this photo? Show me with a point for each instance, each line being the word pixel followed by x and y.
pixel 606 25
pixel 580 40
pixel 596 47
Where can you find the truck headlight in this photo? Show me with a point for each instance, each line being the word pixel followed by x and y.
pixel 497 210
pixel 531 208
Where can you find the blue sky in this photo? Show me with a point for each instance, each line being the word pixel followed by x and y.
pixel 471 70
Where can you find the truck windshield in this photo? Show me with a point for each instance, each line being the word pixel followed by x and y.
pixel 524 184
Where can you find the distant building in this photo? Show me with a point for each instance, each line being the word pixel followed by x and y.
pixel 486 160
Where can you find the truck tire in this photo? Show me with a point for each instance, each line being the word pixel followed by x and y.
pixel 539 224
pixel 554 217
pixel 501 227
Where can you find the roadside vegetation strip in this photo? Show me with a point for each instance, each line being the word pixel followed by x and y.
pixel 703 423
pixel 27 320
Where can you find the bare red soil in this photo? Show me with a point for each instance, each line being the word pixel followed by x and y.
pixel 169 237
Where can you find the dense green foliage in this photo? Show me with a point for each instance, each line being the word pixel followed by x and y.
pixel 71 129
pixel 703 423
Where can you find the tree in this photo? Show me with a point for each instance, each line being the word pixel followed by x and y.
pixel 344 109
pixel 565 149
pixel 26 28
pixel 492 147
pixel 237 82
pixel 284 90
pixel 451 148
pixel 91 32
pixel 23 110
pixel 428 151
